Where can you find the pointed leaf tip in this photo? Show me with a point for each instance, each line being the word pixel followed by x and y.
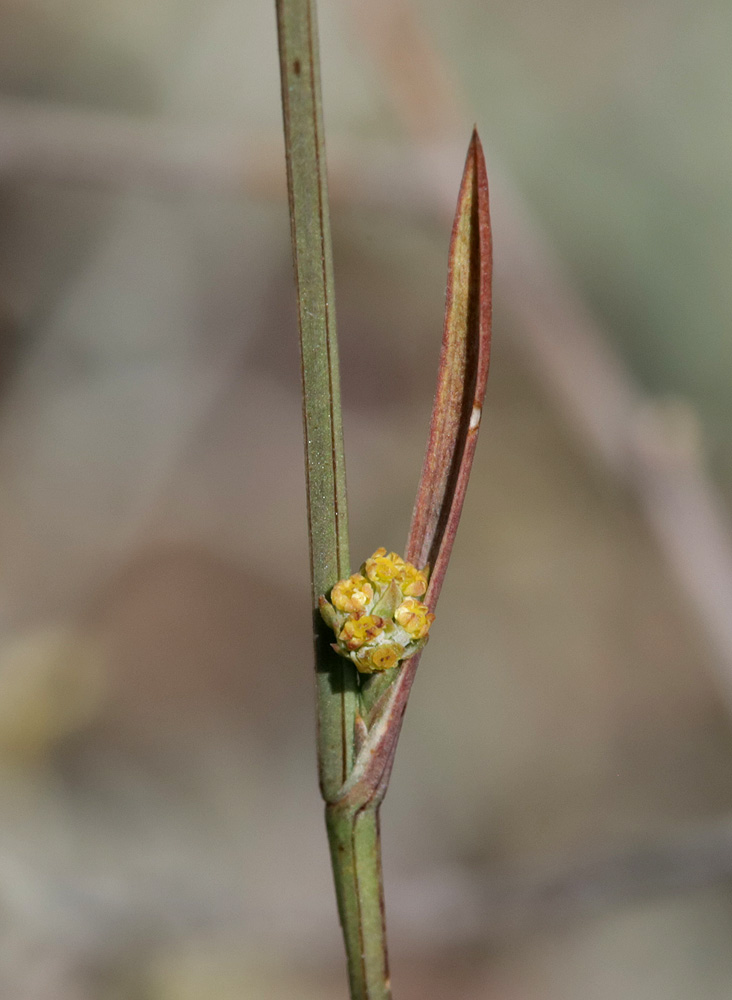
pixel 462 376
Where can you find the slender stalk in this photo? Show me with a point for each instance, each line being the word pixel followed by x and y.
pixel 355 845
pixel 353 832
pixel 325 465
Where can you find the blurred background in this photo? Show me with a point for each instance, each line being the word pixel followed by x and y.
pixel 559 825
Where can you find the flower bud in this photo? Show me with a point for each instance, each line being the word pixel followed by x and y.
pixel 352 595
pixel 414 583
pixel 382 568
pixel 383 657
pixel 414 617
pixel 358 631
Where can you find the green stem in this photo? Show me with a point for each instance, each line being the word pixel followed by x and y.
pixel 355 848
pixel 353 831
pixel 325 464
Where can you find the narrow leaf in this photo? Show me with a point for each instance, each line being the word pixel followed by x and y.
pixel 456 414
pixel 462 378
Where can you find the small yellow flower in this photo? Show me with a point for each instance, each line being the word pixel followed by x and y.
pixel 383 657
pixel 413 581
pixel 352 595
pixel 383 568
pixel 414 617
pixel 358 631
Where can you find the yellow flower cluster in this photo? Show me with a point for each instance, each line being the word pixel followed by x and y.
pixel 375 615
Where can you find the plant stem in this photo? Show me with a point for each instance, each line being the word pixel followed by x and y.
pixel 355 846
pixel 325 465
pixel 353 829
pixel 353 789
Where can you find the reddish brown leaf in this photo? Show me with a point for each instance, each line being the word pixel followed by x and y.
pixel 461 380
pixel 456 413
